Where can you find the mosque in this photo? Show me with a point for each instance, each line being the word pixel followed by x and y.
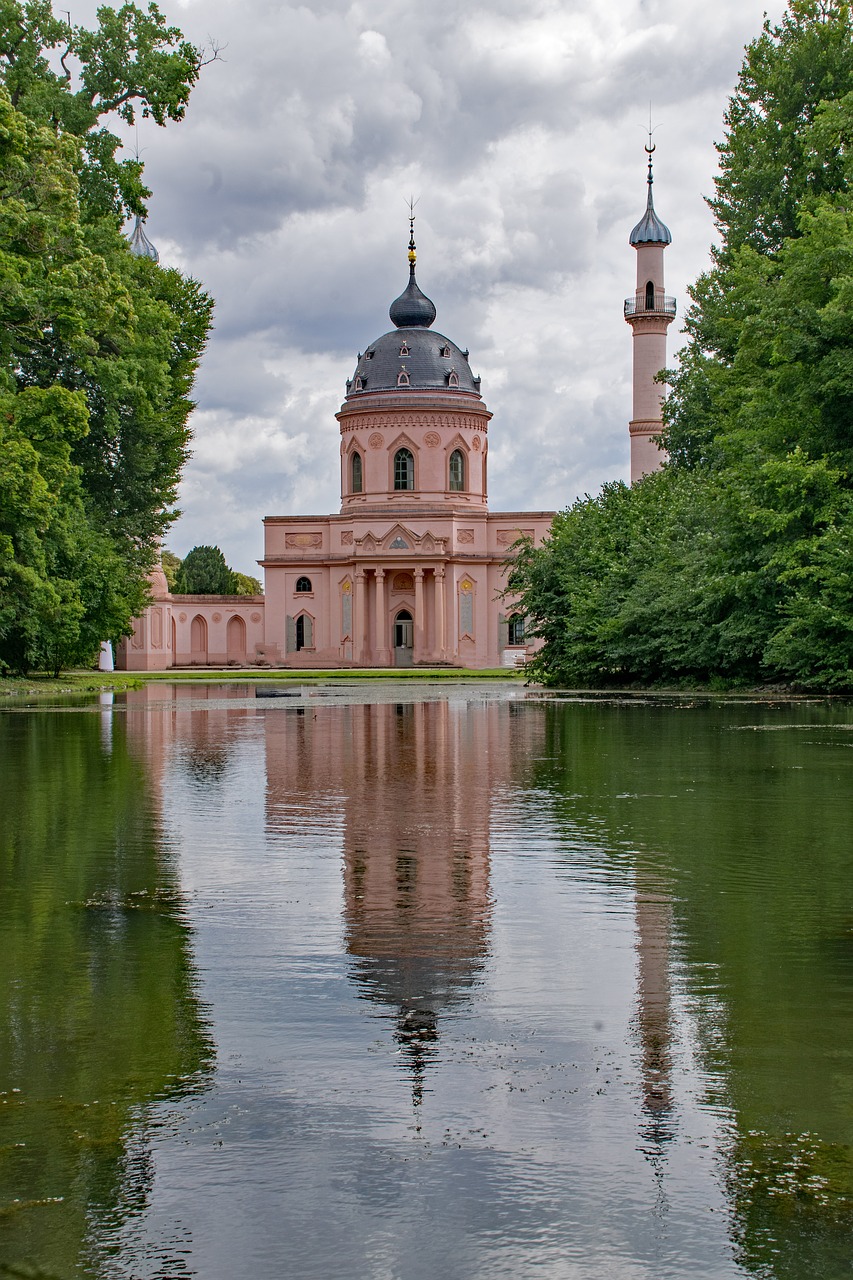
pixel 412 568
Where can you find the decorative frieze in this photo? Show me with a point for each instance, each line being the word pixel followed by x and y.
pixel 506 537
pixel 303 541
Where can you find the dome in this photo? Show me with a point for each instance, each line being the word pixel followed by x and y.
pixel 650 229
pixel 413 309
pixel 413 358
pixel 140 245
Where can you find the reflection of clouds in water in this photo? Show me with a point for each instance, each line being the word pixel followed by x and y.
pixel 399 913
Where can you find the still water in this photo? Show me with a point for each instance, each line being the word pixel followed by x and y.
pixel 467 982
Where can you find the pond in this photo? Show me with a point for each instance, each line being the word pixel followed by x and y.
pixel 390 982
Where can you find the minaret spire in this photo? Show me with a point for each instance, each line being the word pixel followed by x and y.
pixel 649 313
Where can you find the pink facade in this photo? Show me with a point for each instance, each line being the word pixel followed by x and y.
pixel 412 568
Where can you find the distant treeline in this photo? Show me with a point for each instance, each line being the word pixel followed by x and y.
pixel 733 564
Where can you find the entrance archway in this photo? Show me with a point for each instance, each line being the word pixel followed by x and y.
pixel 198 641
pixel 404 639
pixel 236 639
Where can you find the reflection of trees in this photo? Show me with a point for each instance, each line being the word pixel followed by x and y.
pixel 750 835
pixel 97 993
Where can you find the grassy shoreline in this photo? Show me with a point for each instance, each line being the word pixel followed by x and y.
pixel 100 681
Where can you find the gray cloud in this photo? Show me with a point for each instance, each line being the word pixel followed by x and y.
pixel 519 127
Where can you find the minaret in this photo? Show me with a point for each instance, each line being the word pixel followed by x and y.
pixel 649 313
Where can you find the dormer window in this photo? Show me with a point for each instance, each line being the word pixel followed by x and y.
pixel 368 355
pixel 444 352
pixel 404 349
pixel 403 378
pixel 453 378
pixel 359 382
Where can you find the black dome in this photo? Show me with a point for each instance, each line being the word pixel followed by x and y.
pixel 413 309
pixel 413 358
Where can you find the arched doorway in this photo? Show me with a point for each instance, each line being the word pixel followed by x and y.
pixel 235 639
pixel 404 639
pixel 198 641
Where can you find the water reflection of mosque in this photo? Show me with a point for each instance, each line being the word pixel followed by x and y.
pixel 416 782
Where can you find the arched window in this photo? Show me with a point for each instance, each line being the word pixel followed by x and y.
pixel 303 584
pixel 356 472
pixel 403 378
pixel 650 296
pixel 516 629
pixel 457 471
pixel 404 469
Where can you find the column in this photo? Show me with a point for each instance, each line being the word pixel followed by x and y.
pixel 440 642
pixel 420 620
pixel 383 652
pixel 358 618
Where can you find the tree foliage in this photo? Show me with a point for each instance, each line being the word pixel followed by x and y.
pixel 204 572
pixel 98 349
pixel 733 564
pixel 132 61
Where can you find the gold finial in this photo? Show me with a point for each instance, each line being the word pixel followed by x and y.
pixel 413 256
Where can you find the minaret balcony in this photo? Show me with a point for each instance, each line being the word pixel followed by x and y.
pixel 643 305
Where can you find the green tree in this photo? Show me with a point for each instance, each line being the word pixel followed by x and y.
pixel 246 585
pixel 171 566
pixel 732 564
pixel 204 572
pixel 132 61
pixel 98 349
pixel 768 167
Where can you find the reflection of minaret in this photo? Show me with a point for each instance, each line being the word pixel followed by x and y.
pixel 654 1013
pixel 417 782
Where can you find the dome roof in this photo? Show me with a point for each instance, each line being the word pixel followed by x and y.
pixel 412 309
pixel 140 245
pixel 413 358
pixel 650 229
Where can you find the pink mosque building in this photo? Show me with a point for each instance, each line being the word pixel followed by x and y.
pixel 412 568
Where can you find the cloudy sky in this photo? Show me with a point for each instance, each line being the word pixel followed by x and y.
pixel 519 127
